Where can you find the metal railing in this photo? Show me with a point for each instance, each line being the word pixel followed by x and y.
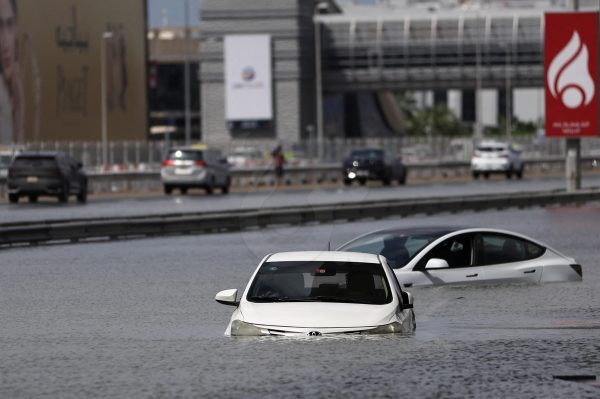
pixel 144 155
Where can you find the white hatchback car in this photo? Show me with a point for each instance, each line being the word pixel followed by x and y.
pixel 450 255
pixel 495 157
pixel 318 293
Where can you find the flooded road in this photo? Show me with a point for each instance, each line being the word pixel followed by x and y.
pixel 138 319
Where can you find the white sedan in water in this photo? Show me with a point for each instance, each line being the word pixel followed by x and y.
pixel 318 293
pixel 450 255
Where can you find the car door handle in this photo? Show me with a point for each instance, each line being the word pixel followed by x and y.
pixel 529 271
pixel 472 275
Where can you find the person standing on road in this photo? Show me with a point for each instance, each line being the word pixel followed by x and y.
pixel 278 161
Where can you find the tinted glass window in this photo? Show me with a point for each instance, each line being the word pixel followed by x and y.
pixel 24 163
pixel 498 248
pixel 492 149
pixel 367 154
pixel 398 249
pixel 185 155
pixel 455 250
pixel 313 281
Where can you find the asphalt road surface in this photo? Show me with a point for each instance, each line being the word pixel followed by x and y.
pixel 138 319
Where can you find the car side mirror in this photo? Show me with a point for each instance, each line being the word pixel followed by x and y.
pixel 407 300
pixel 227 297
pixel 435 263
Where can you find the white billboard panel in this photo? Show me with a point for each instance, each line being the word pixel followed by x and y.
pixel 248 80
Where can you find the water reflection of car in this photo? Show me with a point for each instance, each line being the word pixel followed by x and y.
pixel 373 164
pixel 34 174
pixel 195 166
pixel 447 255
pixel 318 293
pixel 495 157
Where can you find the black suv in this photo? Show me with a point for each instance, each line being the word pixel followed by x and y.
pixel 32 174
pixel 373 164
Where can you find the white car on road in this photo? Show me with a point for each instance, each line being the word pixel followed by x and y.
pixel 496 157
pixel 318 293
pixel 450 255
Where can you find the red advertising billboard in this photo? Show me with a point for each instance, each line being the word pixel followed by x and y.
pixel 571 74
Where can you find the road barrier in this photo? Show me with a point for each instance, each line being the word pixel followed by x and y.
pixel 93 229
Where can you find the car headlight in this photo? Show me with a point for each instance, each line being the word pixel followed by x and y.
pixel 394 327
pixel 239 327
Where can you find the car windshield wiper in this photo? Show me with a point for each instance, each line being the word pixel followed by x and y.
pixel 329 299
pixel 263 298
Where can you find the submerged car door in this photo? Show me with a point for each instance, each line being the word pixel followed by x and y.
pixel 506 258
pixel 458 252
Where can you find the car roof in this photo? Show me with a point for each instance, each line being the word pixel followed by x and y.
pixel 442 230
pixel 324 256
pixel 38 154
pixel 408 231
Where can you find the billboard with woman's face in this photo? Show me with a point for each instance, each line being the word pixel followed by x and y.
pixel 51 56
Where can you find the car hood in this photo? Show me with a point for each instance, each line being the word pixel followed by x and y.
pixel 317 314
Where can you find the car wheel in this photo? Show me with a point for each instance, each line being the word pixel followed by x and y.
pixel 183 190
pixel 509 174
pixel 347 182
pixel 402 180
pixel 475 175
pixel 64 194
pixel 210 187
pixel 13 198
pixel 520 173
pixel 362 182
pixel 386 181
pixel 168 189
pixel 225 188
pixel 82 195
pixel 33 198
pixel 486 175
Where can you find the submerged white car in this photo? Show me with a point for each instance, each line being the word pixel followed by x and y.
pixel 450 255
pixel 318 293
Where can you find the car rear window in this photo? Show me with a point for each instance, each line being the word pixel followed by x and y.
pixel 34 163
pixel 367 154
pixel 185 155
pixel 492 148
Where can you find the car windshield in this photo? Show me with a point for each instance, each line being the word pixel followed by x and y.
pixel 398 248
pixel 367 154
pixel 317 281
pixel 185 155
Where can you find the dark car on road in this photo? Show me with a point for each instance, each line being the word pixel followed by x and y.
pixel 34 174
pixel 373 164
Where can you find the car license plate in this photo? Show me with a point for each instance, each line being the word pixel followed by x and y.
pixel 362 173
pixel 183 171
pixel 32 179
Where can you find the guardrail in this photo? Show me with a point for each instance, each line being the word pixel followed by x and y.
pixel 298 175
pixel 71 231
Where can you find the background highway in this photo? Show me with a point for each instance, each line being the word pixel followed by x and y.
pixel 138 319
pixel 197 201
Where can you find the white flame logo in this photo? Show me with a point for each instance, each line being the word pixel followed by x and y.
pixel 568 76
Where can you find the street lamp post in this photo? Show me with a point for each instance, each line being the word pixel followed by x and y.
pixel 105 37
pixel 318 83
pixel 186 75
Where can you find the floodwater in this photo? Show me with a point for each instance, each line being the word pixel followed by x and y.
pixel 138 319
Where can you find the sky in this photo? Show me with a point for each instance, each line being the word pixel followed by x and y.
pixel 174 12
